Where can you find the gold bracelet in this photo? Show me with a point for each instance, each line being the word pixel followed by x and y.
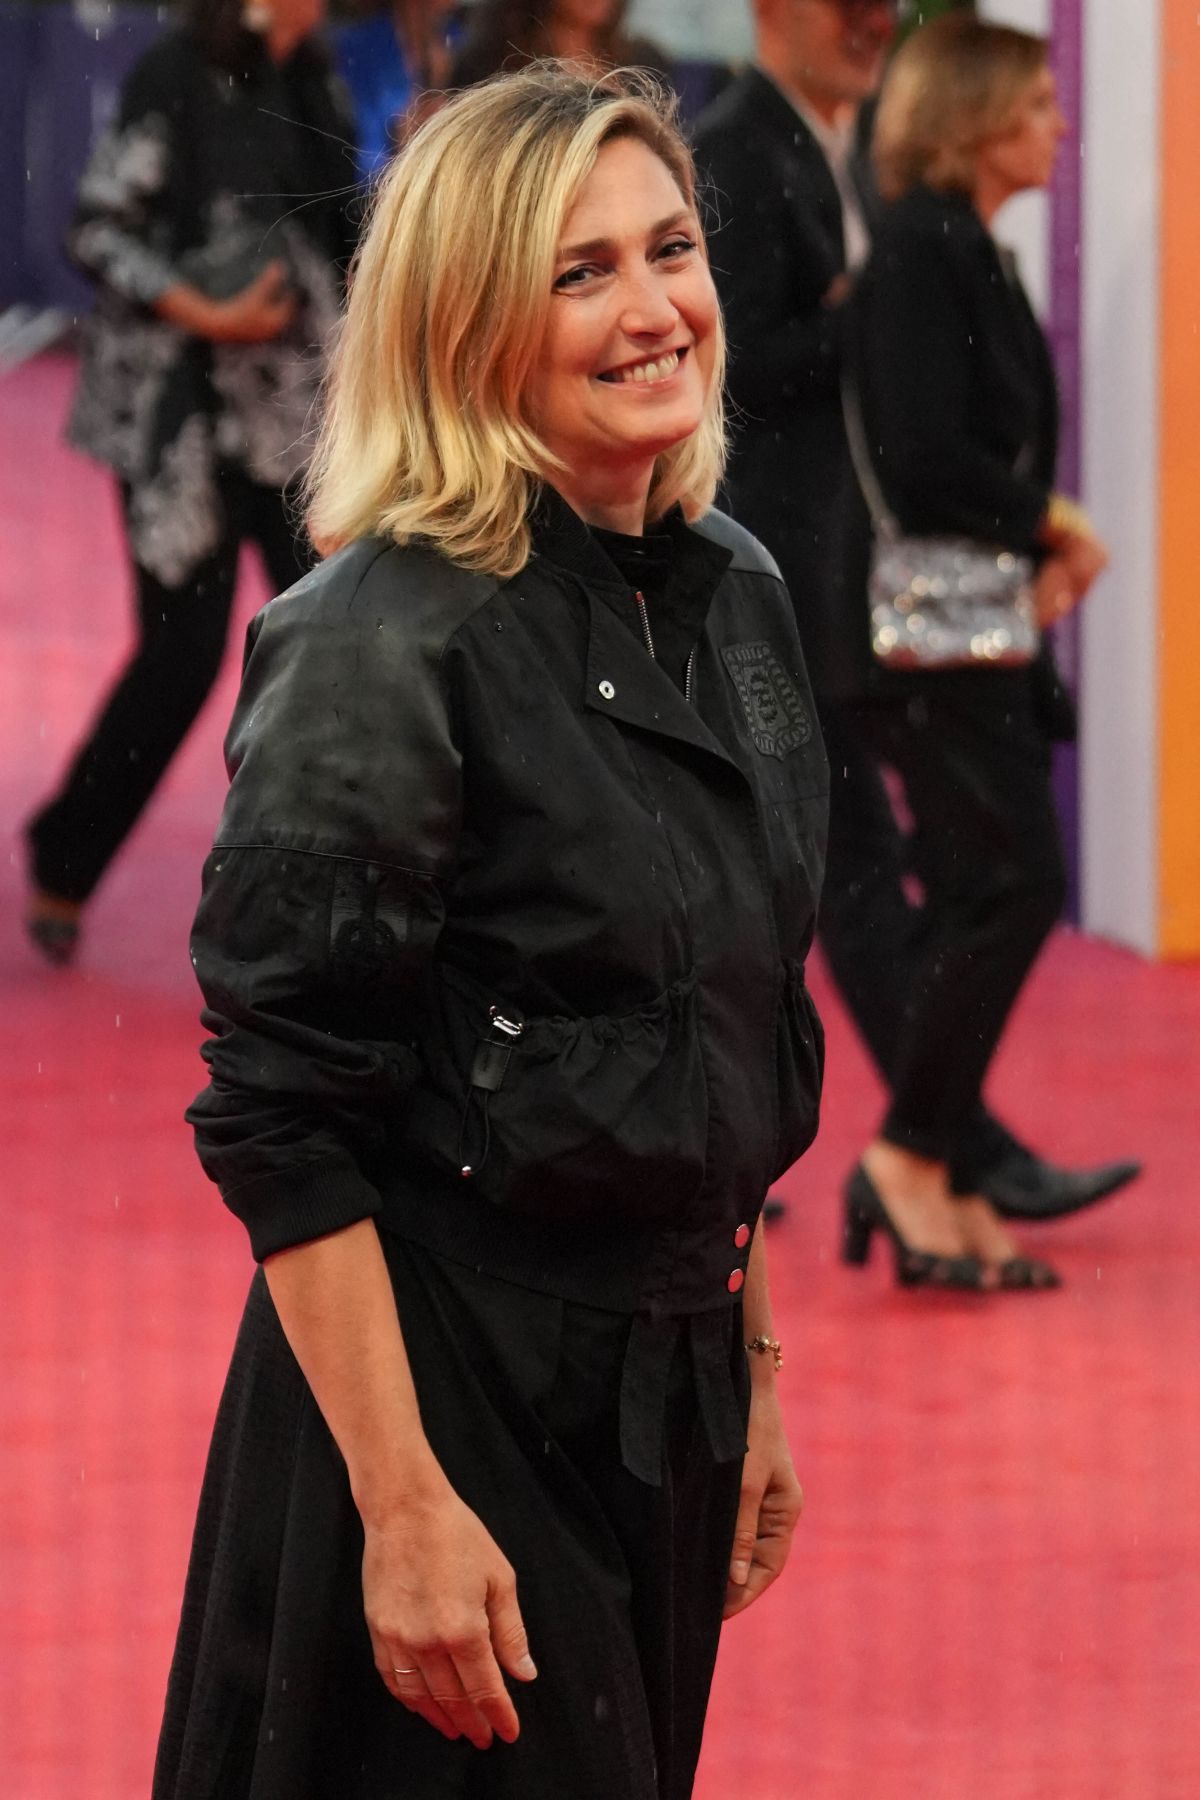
pixel 765 1346
pixel 1066 518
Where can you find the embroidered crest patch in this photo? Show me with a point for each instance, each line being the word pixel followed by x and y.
pixel 778 718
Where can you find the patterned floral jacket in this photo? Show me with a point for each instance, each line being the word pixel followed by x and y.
pixel 207 176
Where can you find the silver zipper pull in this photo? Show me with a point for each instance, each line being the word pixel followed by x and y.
pixel 644 616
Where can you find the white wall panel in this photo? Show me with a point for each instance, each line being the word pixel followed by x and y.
pixel 1121 455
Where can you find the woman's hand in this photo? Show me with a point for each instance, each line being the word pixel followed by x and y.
pixel 439 1597
pixel 1065 577
pixel 771 1503
pixel 1083 559
pixel 1053 593
pixel 262 311
pixel 441 1607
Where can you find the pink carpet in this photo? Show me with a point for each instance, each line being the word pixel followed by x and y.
pixel 995 1593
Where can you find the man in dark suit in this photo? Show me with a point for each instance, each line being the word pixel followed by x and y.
pixel 782 155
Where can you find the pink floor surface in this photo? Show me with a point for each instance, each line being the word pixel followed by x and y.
pixel 995 1593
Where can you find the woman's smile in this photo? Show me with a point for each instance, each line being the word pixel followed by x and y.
pixel 652 373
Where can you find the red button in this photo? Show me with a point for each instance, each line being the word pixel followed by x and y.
pixel 741 1236
pixel 735 1281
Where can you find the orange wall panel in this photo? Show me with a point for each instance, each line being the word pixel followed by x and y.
pixel 1179 487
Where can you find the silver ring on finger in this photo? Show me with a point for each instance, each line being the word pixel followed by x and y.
pixel 396 1671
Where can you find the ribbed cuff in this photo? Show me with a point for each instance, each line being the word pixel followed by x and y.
pixel 292 1206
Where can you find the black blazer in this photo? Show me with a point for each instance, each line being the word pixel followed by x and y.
pixel 775 238
pixel 955 379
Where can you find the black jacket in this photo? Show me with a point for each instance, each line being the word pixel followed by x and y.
pixel 776 245
pixel 453 797
pixel 954 375
pixel 958 394
pixel 205 176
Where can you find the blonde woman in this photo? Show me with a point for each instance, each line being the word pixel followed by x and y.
pixel 502 944
pixel 958 395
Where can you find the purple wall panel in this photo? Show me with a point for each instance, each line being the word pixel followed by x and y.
pixel 1066 338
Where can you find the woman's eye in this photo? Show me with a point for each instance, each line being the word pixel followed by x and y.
pixel 676 247
pixel 575 277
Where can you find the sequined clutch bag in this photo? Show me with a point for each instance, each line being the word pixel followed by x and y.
pixel 940 602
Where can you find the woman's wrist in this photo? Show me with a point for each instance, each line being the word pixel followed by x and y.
pixel 763 1345
pixel 764 1365
pixel 193 311
pixel 413 1482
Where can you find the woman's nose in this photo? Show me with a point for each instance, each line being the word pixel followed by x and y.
pixel 646 309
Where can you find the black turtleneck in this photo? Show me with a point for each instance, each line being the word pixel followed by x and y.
pixel 675 569
pixel 648 566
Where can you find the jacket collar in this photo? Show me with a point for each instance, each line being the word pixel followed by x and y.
pixel 620 679
pixel 561 537
pixel 775 112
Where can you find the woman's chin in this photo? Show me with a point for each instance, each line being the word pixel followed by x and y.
pixel 668 433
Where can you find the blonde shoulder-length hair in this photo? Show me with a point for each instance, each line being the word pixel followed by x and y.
pixel 952 86
pixel 425 433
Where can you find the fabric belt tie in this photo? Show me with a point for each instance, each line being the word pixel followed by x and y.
pixel 645 1380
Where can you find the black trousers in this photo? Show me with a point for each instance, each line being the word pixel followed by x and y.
pixel 930 984
pixel 146 716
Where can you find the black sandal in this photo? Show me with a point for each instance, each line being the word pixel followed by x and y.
pixel 1026 1272
pixel 865 1214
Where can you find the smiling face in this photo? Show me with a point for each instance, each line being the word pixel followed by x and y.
pixel 1023 156
pixel 627 360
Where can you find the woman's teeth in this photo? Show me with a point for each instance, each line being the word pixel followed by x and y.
pixel 648 371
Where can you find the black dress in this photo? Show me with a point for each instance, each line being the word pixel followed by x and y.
pixel 601 1446
pixel 273 1692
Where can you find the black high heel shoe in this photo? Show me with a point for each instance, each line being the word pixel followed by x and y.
pixel 865 1214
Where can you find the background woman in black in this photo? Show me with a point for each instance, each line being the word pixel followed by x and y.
pixel 213 218
pixel 958 396
pixel 502 945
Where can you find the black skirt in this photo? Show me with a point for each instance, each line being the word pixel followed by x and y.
pixel 273 1693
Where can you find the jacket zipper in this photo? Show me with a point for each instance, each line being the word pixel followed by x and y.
pixel 644 616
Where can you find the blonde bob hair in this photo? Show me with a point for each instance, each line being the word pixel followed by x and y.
pixel 425 433
pixel 952 86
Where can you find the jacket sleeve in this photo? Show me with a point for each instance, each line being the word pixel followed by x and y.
pixel 119 231
pixel 784 342
pixel 322 903
pixel 914 340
